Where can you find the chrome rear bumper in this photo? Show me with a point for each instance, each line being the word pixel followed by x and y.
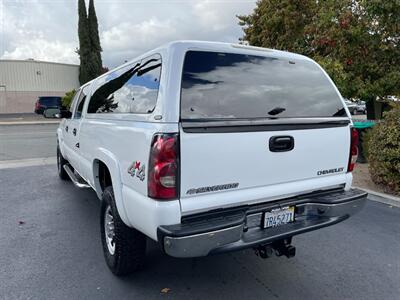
pixel 240 228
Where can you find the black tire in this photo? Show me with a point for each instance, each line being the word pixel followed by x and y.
pixel 129 244
pixel 61 161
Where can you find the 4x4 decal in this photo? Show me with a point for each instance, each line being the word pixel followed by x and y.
pixel 136 169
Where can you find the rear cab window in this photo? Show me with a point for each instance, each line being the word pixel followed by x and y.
pixel 81 102
pixel 230 86
pixel 131 89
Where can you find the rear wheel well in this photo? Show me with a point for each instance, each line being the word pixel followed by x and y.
pixel 104 175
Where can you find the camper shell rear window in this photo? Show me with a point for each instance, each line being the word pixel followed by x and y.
pixel 232 86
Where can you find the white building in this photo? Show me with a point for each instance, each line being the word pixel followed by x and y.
pixel 23 81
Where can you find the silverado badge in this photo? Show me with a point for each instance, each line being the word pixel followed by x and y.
pixel 213 188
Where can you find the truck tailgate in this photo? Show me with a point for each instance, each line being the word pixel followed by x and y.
pixel 225 169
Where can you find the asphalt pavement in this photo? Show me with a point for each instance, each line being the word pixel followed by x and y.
pixel 50 249
pixel 50 246
pixel 27 141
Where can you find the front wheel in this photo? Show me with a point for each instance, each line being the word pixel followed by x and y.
pixel 124 247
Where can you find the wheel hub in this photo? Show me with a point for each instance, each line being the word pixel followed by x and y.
pixel 109 230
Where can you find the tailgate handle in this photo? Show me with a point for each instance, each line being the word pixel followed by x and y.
pixel 281 143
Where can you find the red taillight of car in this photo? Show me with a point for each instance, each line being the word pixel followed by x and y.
pixel 37 105
pixel 353 149
pixel 164 167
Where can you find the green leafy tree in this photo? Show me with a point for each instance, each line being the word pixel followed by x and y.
pixel 84 43
pixel 67 99
pixel 279 24
pixel 95 47
pixel 357 42
pixel 89 43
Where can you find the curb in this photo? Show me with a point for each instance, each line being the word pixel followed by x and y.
pixel 382 197
pixel 29 123
pixel 30 162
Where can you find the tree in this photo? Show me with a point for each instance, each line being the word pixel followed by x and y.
pixel 84 43
pixel 357 42
pixel 278 24
pixel 67 99
pixel 96 63
pixel 89 43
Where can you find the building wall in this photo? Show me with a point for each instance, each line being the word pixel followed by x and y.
pixel 21 82
pixel 22 102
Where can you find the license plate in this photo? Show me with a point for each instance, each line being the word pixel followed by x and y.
pixel 279 216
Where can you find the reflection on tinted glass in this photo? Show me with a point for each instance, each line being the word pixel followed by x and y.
pixel 132 89
pixel 81 102
pixel 227 85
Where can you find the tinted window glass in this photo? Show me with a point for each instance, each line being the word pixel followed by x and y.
pixel 132 89
pixel 228 86
pixel 81 102
pixel 75 99
pixel 50 101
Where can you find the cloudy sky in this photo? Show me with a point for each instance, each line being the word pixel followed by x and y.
pixel 47 29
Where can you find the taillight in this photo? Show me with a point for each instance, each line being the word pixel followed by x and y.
pixel 353 149
pixel 163 167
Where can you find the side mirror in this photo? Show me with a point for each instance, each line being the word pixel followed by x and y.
pixel 63 114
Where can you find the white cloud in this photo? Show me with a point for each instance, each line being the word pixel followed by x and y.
pixel 48 30
pixel 149 33
pixel 209 15
pixel 42 49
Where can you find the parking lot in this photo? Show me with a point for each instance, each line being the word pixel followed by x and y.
pixel 27 141
pixel 50 247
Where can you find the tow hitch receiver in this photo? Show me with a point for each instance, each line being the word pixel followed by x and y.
pixel 280 248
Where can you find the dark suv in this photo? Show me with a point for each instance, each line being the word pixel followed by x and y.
pixel 43 103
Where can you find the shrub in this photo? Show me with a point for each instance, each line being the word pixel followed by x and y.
pixel 384 151
pixel 67 99
pixel 366 136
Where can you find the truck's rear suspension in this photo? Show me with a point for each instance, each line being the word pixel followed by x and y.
pixel 279 248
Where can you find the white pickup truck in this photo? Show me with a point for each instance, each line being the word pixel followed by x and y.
pixel 210 147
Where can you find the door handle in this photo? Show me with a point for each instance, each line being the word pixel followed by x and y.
pixel 66 128
pixel 74 131
pixel 281 143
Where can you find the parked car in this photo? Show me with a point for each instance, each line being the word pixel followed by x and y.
pixel 351 106
pixel 209 147
pixel 46 102
pixel 361 107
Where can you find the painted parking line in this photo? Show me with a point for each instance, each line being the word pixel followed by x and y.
pixel 30 162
